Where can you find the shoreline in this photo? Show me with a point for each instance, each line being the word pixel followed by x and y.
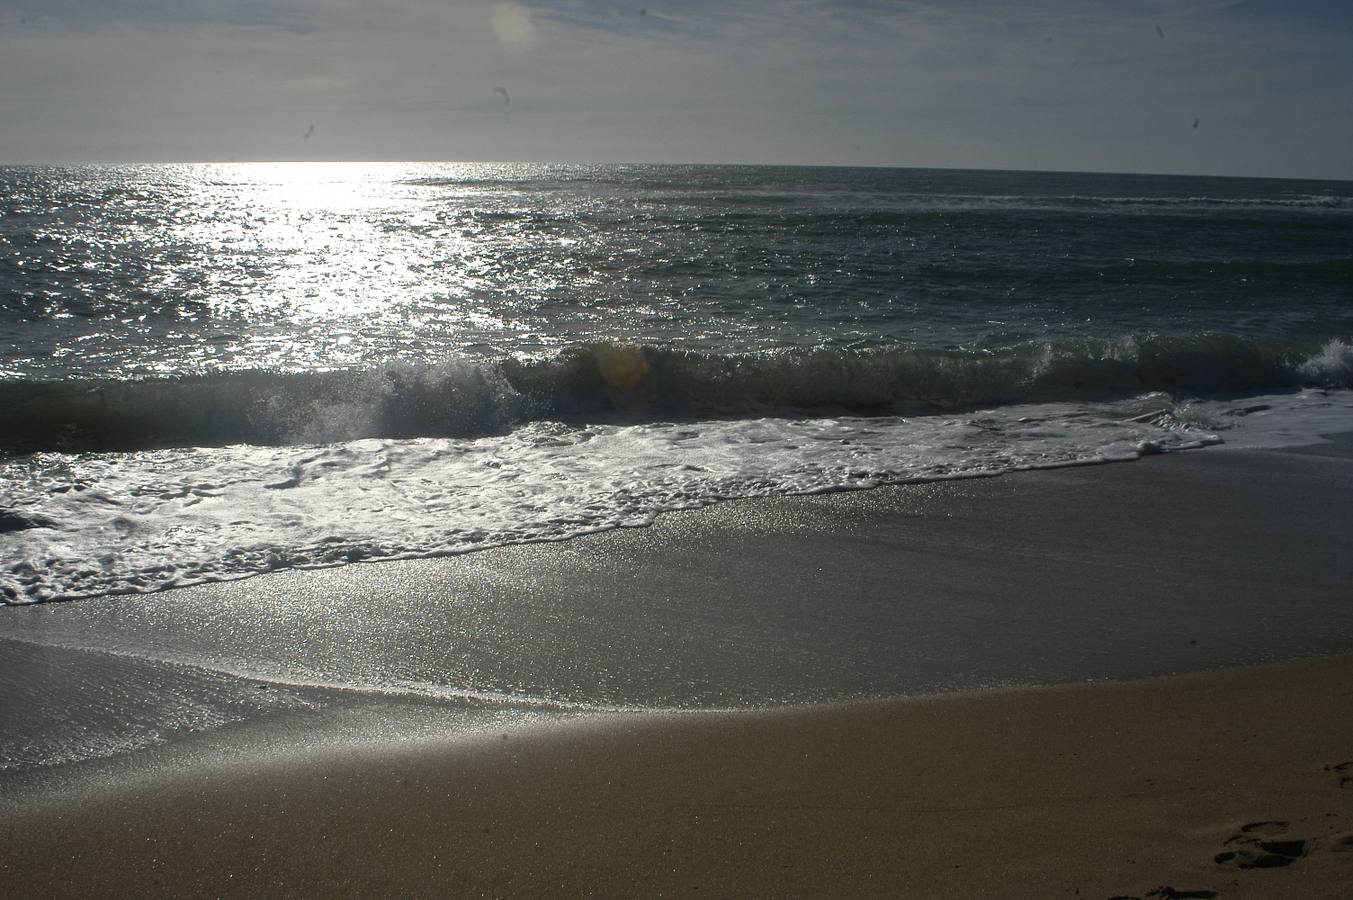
pixel 1170 563
pixel 260 754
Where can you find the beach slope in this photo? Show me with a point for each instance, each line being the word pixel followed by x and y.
pixel 1089 790
pixel 1235 783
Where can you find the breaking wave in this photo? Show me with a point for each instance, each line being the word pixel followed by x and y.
pixel 617 382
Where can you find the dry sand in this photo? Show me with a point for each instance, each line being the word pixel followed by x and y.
pixel 1089 790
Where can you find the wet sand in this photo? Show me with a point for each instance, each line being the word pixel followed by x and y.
pixel 264 737
pixel 1174 563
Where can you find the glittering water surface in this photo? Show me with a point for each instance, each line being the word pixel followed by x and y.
pixel 166 269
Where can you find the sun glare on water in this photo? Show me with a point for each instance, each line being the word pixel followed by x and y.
pixel 351 253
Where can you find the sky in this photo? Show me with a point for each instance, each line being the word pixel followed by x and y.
pixel 1224 87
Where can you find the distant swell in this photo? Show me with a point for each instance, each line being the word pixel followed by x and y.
pixel 467 398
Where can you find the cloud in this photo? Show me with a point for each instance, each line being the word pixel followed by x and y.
pixel 1082 84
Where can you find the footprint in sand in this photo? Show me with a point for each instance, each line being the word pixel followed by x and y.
pixel 1261 845
pixel 1345 772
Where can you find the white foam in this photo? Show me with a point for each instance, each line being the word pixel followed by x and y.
pixel 137 522
pixel 1265 422
pixel 1332 365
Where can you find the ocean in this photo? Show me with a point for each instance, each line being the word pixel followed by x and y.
pixel 209 372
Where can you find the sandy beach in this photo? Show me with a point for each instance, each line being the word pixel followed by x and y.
pixel 1092 791
pixel 828 449
pixel 611 747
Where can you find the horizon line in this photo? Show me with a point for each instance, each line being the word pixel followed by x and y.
pixel 705 164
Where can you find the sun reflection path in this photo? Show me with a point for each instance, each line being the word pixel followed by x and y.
pixel 180 269
pixel 330 264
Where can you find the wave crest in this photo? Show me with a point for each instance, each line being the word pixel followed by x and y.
pixel 467 398
pixel 456 398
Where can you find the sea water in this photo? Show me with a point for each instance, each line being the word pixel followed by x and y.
pixel 212 371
